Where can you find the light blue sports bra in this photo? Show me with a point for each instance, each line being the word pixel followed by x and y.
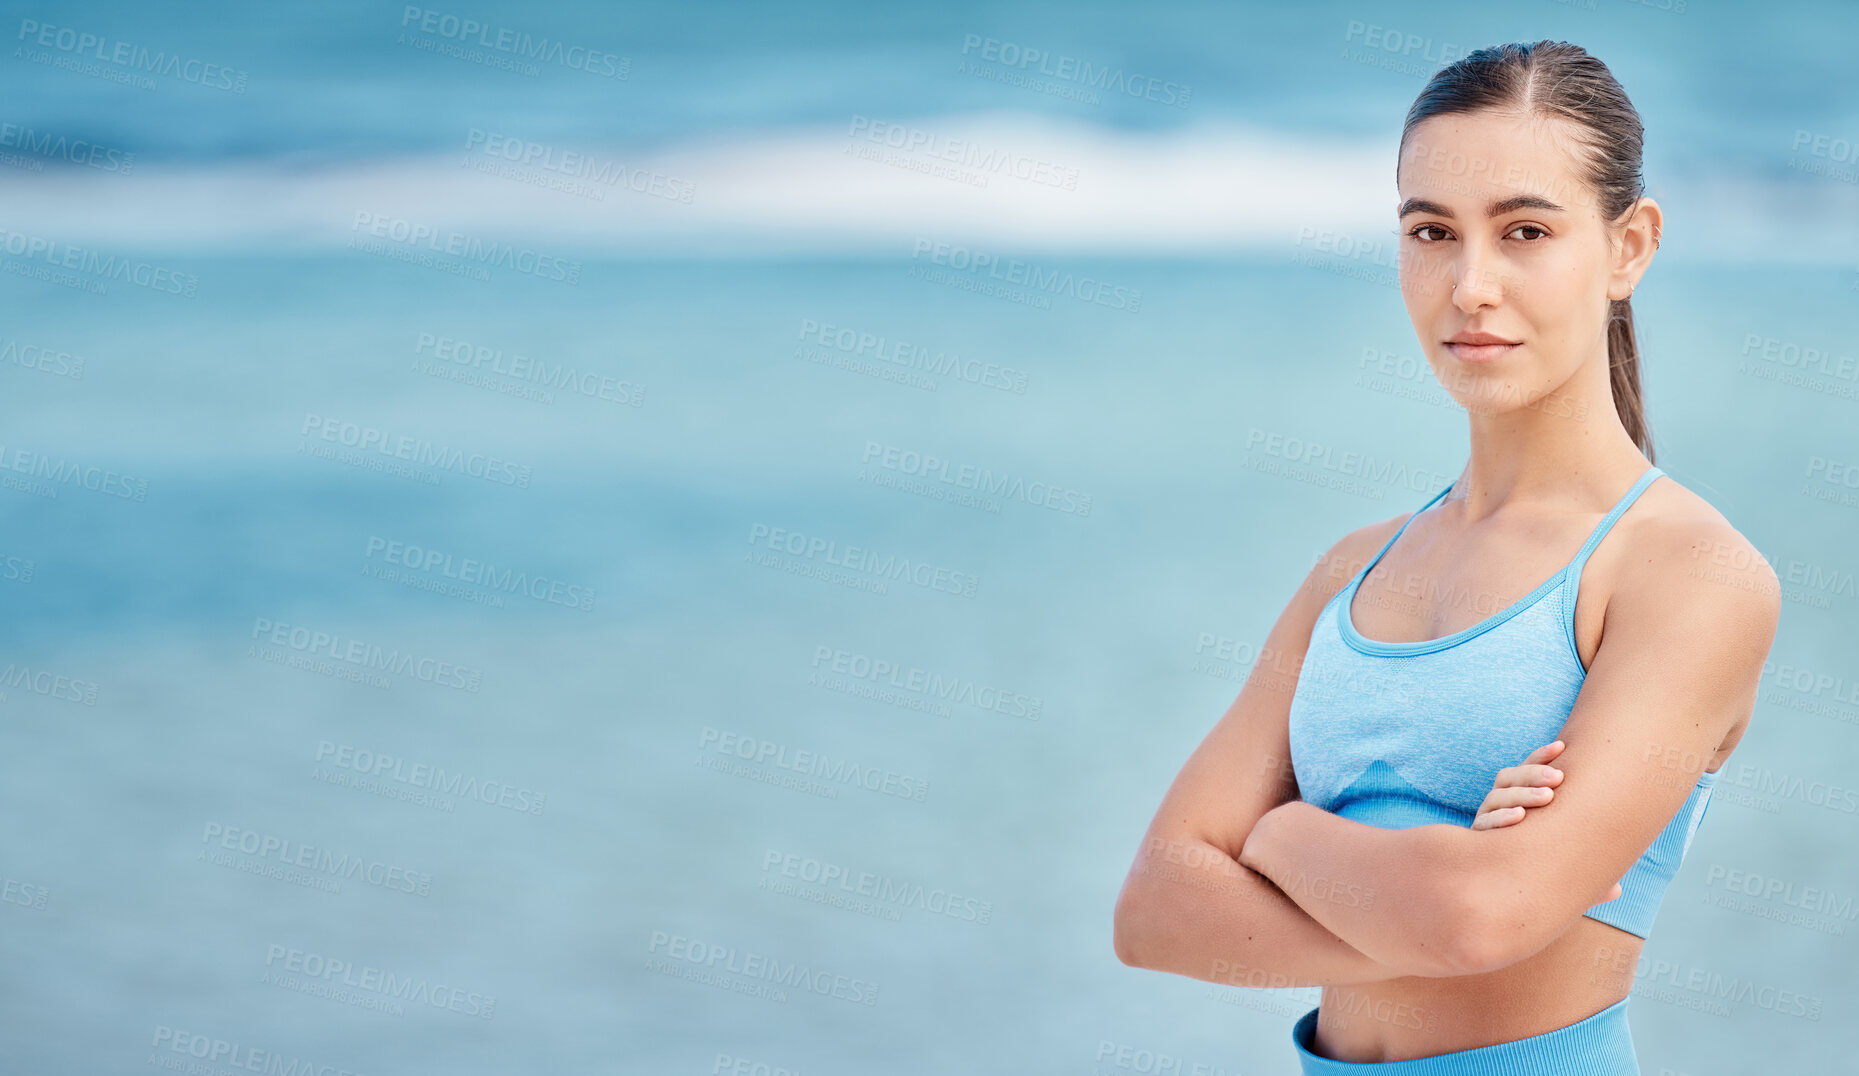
pixel 1408 734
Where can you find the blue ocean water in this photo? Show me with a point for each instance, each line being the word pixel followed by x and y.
pixel 411 672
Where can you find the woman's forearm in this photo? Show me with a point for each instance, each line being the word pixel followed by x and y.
pixel 1191 909
pixel 1389 893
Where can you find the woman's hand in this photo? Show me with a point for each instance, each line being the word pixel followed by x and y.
pixel 1521 787
pixel 1518 788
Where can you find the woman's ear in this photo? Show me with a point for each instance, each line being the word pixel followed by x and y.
pixel 1638 240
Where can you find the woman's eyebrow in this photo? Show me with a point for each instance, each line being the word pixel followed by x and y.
pixel 1495 209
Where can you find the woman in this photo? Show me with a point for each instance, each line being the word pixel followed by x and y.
pixel 1392 829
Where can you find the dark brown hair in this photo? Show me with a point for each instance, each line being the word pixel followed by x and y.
pixel 1555 78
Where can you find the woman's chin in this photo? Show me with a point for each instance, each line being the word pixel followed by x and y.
pixel 1487 396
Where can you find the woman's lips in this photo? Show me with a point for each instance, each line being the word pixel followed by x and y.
pixel 1480 352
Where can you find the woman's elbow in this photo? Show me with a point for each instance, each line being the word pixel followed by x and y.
pixel 1460 922
pixel 1483 934
pixel 1472 950
pixel 1441 954
pixel 1448 932
pixel 1126 932
pixel 1123 940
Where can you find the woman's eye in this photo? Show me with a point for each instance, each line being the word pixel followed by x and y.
pixel 1419 233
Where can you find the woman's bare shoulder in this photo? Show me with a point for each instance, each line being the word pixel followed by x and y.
pixel 1680 558
pixel 1678 528
pixel 1350 554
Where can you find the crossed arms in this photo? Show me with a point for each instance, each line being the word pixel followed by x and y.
pixel 1238 881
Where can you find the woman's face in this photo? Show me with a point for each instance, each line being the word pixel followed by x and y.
pixel 1536 274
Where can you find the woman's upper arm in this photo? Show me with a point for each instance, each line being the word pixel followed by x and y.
pixel 1678 668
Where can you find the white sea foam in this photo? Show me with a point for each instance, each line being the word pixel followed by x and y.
pixel 1207 189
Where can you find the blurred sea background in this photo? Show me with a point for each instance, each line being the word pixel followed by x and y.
pixel 468 607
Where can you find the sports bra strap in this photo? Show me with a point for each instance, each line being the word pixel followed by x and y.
pixel 1385 546
pixel 1607 521
pixel 1571 575
pixel 1572 570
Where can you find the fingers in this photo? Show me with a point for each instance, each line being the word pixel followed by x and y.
pixel 1498 818
pixel 1524 796
pixel 1546 752
pixel 1506 806
pixel 1529 774
pixel 1534 770
pixel 1518 788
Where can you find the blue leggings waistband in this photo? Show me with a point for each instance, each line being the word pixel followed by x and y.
pixel 1597 1045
